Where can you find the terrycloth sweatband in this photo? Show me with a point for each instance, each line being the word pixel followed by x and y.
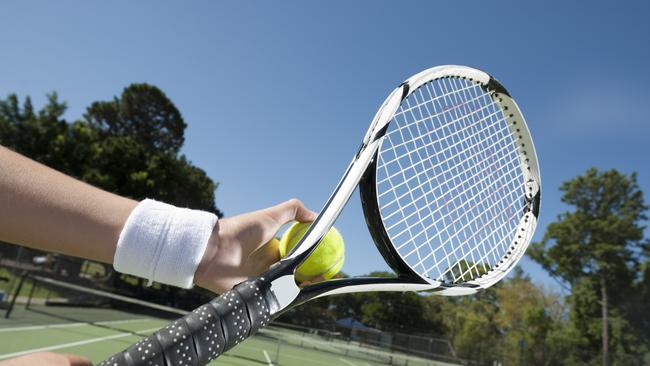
pixel 163 243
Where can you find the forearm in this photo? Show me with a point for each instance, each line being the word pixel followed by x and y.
pixel 45 209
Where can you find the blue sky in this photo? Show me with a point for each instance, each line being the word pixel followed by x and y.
pixel 277 95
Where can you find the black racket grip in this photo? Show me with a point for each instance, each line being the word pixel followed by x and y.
pixel 208 331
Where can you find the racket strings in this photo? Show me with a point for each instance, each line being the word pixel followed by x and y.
pixel 449 181
pixel 460 247
pixel 425 146
pixel 409 110
pixel 458 174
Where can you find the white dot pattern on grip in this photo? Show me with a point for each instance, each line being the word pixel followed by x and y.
pixel 144 347
pixel 261 304
pixel 182 348
pixel 210 332
pixel 146 352
pixel 238 314
pixel 210 328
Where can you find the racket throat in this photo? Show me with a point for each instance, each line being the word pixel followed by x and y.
pixel 285 290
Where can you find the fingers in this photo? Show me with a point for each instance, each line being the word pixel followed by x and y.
pixel 243 246
pixel 311 281
pixel 75 360
pixel 304 214
pixel 48 359
pixel 264 256
pixel 291 210
pixel 272 249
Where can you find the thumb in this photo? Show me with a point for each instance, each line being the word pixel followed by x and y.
pixel 78 360
pixel 289 211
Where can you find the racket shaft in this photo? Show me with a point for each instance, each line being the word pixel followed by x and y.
pixel 205 333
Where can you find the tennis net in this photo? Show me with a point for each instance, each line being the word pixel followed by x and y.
pixel 50 301
pixel 287 339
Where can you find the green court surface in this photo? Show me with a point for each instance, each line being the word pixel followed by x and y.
pixel 98 333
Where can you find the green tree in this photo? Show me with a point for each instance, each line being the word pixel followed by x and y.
pixel 315 314
pixel 406 312
pixel 127 146
pixel 595 248
pixel 142 112
pixel 472 327
pixel 135 151
pixel 30 133
pixel 394 312
pixel 526 318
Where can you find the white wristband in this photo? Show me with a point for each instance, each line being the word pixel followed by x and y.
pixel 163 243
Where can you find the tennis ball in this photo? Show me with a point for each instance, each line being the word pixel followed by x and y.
pixel 325 261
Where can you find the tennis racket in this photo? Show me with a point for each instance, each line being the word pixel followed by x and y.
pixel 450 189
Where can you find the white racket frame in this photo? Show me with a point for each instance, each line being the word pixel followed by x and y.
pixel 285 287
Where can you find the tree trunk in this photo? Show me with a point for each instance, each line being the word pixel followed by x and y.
pixel 603 305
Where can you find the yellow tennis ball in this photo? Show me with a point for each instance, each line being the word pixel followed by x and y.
pixel 326 260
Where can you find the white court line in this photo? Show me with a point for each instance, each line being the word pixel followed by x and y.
pixel 348 362
pixel 268 359
pixel 72 344
pixel 317 344
pixel 69 325
pixel 310 360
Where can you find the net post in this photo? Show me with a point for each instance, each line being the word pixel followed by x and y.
pixel 277 352
pixel 31 293
pixel 23 276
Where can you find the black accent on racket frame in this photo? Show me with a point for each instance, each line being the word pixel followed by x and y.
pixel 226 321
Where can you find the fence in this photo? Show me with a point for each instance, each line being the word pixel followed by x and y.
pixel 423 347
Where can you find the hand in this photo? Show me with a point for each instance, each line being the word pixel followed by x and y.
pixel 47 359
pixel 241 248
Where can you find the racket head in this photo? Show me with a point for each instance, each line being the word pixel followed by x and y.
pixel 452 194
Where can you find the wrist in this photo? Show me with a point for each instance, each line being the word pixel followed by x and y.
pixel 208 265
pixel 164 243
pixel 223 264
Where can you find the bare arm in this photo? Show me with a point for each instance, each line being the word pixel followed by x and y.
pixel 42 208
pixel 45 209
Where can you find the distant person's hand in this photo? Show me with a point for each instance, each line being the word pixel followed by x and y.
pixel 241 246
pixel 47 359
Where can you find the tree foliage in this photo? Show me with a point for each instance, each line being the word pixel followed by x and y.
pixel 596 249
pixel 602 236
pixel 127 146
pixel 517 322
pixel 144 113
pixel 130 145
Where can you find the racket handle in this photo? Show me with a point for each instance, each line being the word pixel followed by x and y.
pixel 208 331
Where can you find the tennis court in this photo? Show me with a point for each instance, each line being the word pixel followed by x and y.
pixel 96 333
